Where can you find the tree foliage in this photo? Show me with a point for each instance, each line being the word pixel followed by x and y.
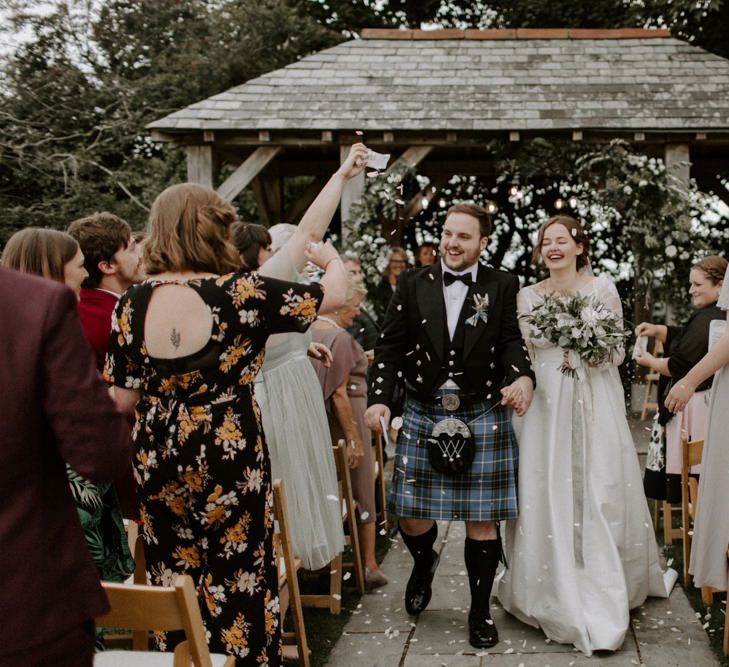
pixel 77 96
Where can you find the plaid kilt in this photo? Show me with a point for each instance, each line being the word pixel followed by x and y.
pixel 486 492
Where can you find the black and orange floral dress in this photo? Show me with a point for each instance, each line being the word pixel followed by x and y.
pixel 201 461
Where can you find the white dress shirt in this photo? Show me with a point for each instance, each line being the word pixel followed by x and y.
pixel 454 296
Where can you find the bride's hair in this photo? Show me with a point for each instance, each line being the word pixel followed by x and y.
pixel 575 230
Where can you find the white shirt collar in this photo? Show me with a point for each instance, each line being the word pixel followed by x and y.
pixel 473 270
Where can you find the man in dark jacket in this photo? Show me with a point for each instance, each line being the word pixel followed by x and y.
pixel 55 410
pixel 451 335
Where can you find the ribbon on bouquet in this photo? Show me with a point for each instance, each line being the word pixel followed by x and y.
pixel 581 417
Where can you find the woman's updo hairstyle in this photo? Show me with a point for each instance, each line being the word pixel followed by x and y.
pixel 576 232
pixel 248 239
pixel 189 230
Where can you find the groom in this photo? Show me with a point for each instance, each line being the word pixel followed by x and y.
pixel 451 335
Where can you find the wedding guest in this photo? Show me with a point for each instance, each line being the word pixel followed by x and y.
pixel 344 387
pixel 582 553
pixel 56 412
pixel 113 260
pixel 397 262
pixel 186 346
pixel 287 389
pixel 708 561
pixel 684 348
pixel 452 335
pixel 426 254
pixel 48 253
pixel 364 329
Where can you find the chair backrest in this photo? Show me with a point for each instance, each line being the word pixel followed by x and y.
pixel 692 451
pixel 159 608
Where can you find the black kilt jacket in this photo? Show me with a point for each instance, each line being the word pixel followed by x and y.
pixel 414 337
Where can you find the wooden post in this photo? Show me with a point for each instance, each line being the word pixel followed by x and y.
pixel 200 163
pixel 352 192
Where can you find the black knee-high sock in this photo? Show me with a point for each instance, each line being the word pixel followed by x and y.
pixel 421 547
pixel 482 558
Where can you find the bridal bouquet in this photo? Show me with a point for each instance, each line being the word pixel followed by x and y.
pixel 582 326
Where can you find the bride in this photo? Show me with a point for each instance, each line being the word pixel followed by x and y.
pixel 583 551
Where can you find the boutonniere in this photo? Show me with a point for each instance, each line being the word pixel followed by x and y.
pixel 481 308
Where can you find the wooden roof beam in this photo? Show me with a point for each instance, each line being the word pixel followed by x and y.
pixel 247 171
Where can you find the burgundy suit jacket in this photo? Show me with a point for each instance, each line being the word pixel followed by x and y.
pixel 55 409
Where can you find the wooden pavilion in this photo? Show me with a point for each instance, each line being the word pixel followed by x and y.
pixel 435 99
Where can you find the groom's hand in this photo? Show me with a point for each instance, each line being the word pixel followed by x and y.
pixel 518 395
pixel 373 414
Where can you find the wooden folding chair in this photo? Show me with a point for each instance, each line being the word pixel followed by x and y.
pixel 651 378
pixel 144 608
pixel 295 645
pixel 333 599
pixel 691 452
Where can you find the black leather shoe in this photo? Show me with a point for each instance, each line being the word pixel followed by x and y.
pixel 419 591
pixel 482 631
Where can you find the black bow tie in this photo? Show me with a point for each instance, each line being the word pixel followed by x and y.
pixel 449 278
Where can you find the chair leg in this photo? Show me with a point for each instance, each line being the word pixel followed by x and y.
pixel 335 584
pixel 667 524
pixel 707 595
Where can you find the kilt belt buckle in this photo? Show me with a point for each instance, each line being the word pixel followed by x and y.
pixel 450 402
pixel 451 447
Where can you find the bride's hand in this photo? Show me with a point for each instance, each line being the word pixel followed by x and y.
pixel 566 359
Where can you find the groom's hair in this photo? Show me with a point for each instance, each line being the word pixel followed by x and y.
pixel 479 212
pixel 575 230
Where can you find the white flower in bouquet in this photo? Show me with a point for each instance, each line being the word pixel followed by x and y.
pixel 588 331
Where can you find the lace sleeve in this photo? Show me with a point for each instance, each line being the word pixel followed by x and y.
pixel 608 294
pixel 723 302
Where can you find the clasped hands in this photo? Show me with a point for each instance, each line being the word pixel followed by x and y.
pixel 518 395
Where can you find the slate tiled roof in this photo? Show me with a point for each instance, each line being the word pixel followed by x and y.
pixel 466 80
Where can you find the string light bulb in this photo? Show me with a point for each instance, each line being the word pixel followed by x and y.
pixel 573 201
pixel 558 203
pixel 442 202
pixel 424 202
pixel 491 207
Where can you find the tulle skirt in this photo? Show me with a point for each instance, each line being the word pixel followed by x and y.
pixel 297 432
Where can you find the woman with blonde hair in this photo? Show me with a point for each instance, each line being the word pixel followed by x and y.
pixel 49 253
pixel 185 349
pixel 287 388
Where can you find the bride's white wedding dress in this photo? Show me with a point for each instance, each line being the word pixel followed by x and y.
pixel 583 551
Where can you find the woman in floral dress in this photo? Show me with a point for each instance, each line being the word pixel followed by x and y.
pixel 185 348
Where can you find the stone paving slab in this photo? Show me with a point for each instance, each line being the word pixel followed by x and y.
pixel 664 633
